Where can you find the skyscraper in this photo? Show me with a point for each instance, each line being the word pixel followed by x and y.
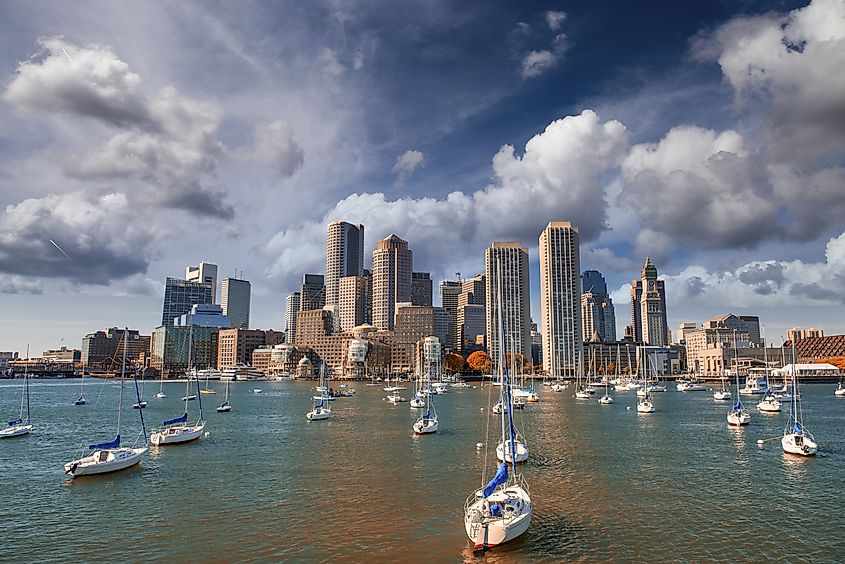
pixel 449 292
pixel 507 266
pixel 235 298
pixel 560 298
pixel 180 295
pixel 312 293
pixel 291 309
pixel 471 311
pixel 393 264
pixel 205 273
pixel 354 299
pixel 421 288
pixel 598 318
pixel 648 307
pixel 344 255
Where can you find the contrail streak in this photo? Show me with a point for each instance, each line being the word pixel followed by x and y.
pixel 61 251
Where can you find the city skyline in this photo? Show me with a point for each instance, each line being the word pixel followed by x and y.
pixel 658 145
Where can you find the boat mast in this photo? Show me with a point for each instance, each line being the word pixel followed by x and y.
pixel 137 391
pixel 122 374
pixel 26 382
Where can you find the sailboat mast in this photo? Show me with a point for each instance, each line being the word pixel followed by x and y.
pixel 188 372
pixel 137 392
pixel 26 383
pixel 122 374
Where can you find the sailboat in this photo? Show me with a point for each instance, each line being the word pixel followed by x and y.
pixel 321 408
pixel 580 391
pixel 738 416
pixel 722 394
pixel 110 456
pixel 840 390
pixel 21 426
pixel 427 423
pixel 178 430
pixel 514 449
pixel 418 401
pixel 207 390
pixel 769 403
pixel 607 399
pixel 796 438
pixel 141 403
pixel 81 399
pixel 501 510
pixel 225 406
pixel 161 394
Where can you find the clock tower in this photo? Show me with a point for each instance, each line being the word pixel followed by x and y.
pixel 652 307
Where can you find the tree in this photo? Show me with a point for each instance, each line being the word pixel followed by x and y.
pixel 454 363
pixel 480 362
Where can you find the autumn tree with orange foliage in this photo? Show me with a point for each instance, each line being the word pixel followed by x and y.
pixel 454 363
pixel 837 361
pixel 480 362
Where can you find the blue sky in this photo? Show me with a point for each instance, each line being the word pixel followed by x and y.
pixel 155 135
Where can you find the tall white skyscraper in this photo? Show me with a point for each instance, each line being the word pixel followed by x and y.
pixel 344 255
pixel 291 307
pixel 507 266
pixel 204 273
pixel 393 263
pixel 235 297
pixel 560 298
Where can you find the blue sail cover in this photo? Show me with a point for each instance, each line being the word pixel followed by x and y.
pixel 15 422
pixel 114 443
pixel 181 419
pixel 796 428
pixel 738 405
pixel 500 478
pixel 320 404
pixel 426 415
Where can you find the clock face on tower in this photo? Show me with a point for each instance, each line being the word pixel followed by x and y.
pixel 651 284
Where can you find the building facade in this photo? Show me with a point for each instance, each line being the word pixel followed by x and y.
pixel 344 256
pixel 508 296
pixel 560 298
pixel 104 349
pixel 711 347
pixel 291 309
pixel 176 350
pixel 235 346
pixel 312 293
pixel 180 296
pixel 393 263
pixel 204 273
pixel 598 317
pixel 450 291
pixel 354 301
pixel 421 289
pixel 204 315
pixel 235 297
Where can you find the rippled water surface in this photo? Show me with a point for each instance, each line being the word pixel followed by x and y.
pixel 266 485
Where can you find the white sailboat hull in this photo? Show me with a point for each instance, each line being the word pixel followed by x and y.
pixel 177 434
pixel 645 407
pixel 425 426
pixel 417 403
pixel 738 418
pixel 721 395
pixel 15 431
pixel 318 414
pixel 801 445
pixel 840 393
pixel 105 461
pixel 521 453
pixel 772 406
pixel 488 531
pixel 605 400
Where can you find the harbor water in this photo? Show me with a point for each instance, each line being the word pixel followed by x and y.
pixel 607 483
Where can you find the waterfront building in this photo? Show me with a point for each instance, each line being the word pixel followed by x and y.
pixel 421 288
pixel 5 358
pixel 344 256
pixel 235 299
pixel 414 323
pixel 312 293
pixel 342 353
pixel 429 355
pixel 450 291
pixel 204 273
pixel 598 316
pixel 536 346
pixel 560 298
pixel 104 349
pixel 393 263
pixel 291 309
pixel 507 267
pixel 204 315
pixel 235 346
pixel 181 295
pixel 62 354
pixel 354 301
pixel 810 349
pixel 171 345
pixel 648 307
pixel 710 347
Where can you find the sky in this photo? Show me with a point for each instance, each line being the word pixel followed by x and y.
pixel 137 138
